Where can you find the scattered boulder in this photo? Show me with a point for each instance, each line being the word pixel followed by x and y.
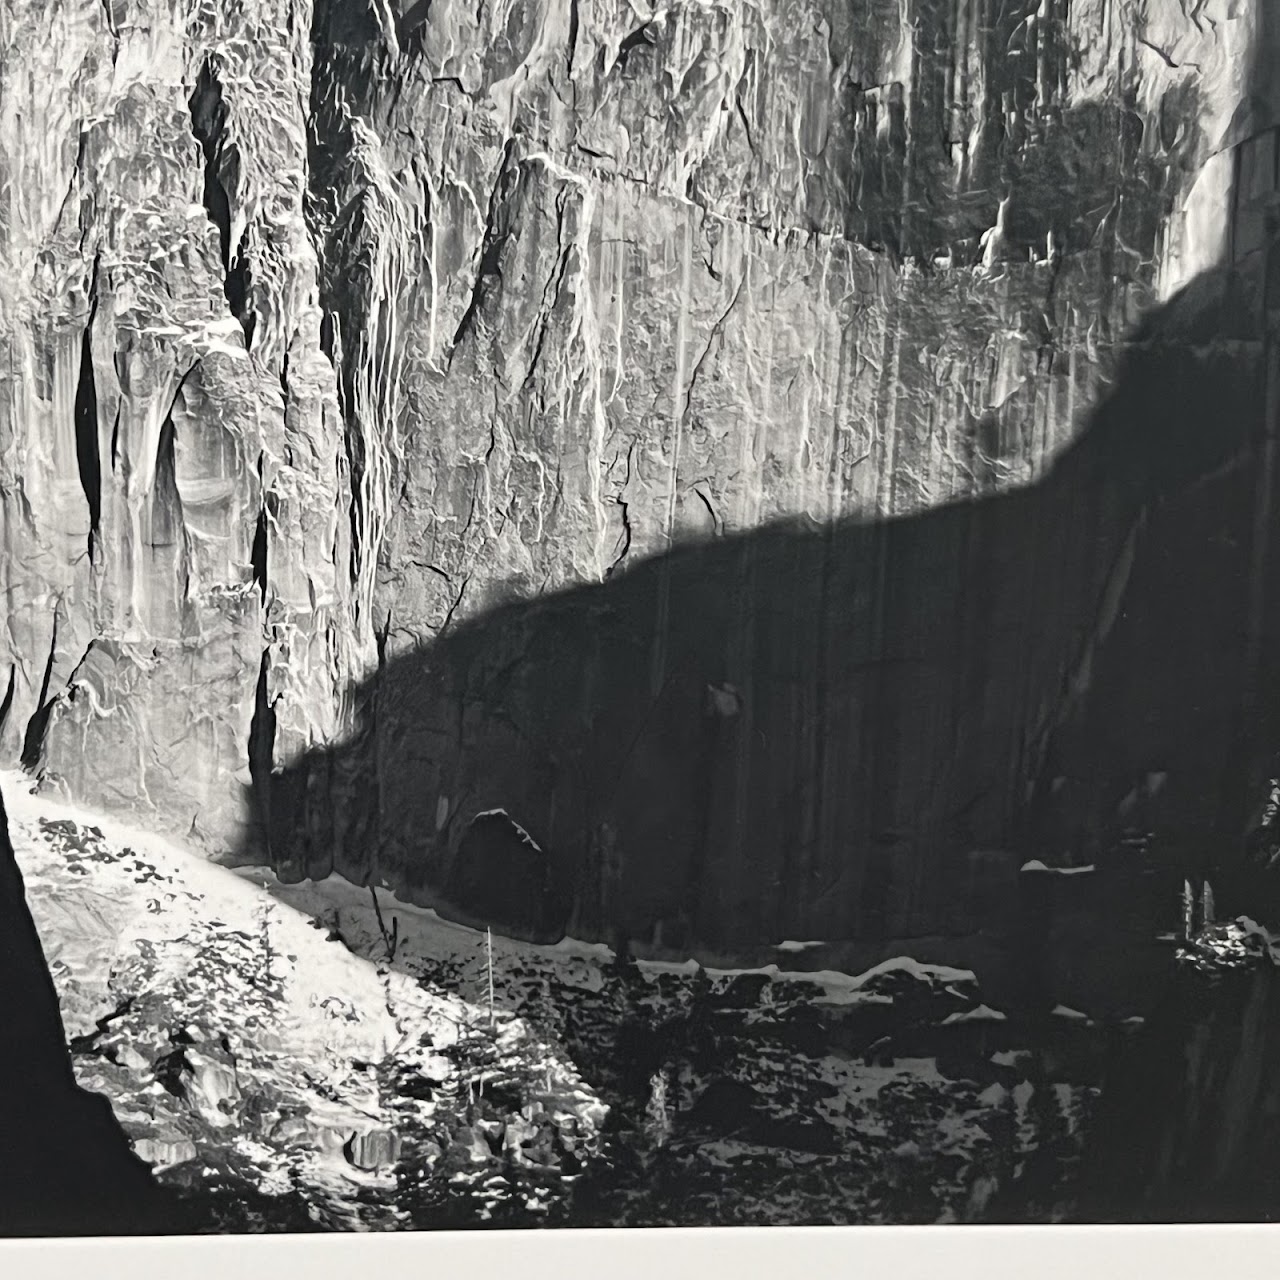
pixel 502 878
pixel 165 1149
pixel 213 1089
pixel 373 1151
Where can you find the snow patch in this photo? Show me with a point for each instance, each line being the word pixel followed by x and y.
pixel 583 950
pixel 436 937
pixel 838 988
pixel 519 830
pixel 1009 1057
pixel 983 1013
pixel 291 1031
pixel 1063 1011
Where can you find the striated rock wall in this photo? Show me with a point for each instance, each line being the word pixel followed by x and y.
pixel 171 460
pixel 669 274
pixel 336 331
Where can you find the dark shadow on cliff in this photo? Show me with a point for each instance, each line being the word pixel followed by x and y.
pixel 859 732
pixel 65 1164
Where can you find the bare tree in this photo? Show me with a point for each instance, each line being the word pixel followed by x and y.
pixel 264 922
pixel 488 946
pixel 390 938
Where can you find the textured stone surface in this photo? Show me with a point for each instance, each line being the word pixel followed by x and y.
pixel 339 332
pixel 155 167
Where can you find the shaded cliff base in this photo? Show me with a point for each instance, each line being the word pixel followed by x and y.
pixel 1188 1123
pixel 781 1089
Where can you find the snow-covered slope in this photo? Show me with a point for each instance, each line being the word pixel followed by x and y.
pixel 323 1054
pixel 248 1053
pixel 744 1096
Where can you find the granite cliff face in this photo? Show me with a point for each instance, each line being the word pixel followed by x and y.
pixel 753 447
pixel 172 487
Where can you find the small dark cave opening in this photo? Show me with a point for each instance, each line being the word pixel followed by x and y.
pixel 502 878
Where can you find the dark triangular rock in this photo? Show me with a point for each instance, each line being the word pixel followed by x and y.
pixel 66 1167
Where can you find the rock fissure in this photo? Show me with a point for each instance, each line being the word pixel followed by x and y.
pixel 37 726
pixel 209 119
pixel 7 704
pixel 494 238
pixel 88 461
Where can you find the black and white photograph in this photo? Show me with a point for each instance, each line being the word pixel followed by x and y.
pixel 638 614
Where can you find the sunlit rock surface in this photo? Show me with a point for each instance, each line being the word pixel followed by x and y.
pixel 161 425
pixel 329 328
